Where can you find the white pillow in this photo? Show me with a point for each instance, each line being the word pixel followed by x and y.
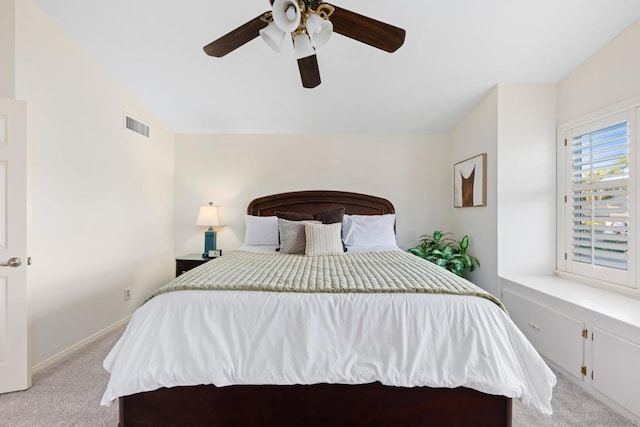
pixel 292 236
pixel 369 230
pixel 323 239
pixel 261 230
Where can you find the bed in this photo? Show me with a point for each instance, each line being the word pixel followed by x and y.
pixel 307 395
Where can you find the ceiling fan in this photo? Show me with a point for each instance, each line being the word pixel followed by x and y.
pixel 310 23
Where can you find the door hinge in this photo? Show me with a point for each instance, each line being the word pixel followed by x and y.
pixel 585 334
pixel 565 256
pixel 565 199
pixel 592 375
pixel 565 142
pixel 583 371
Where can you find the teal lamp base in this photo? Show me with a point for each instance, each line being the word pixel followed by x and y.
pixel 209 242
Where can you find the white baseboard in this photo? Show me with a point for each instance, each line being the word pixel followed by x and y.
pixel 64 353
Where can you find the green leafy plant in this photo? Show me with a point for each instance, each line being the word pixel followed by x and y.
pixel 446 252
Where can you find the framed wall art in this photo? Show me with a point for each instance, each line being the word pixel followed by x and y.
pixel 470 182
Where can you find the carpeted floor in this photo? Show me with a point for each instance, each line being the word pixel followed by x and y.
pixel 69 392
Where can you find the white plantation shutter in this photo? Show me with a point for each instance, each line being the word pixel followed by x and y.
pixel 600 195
pixel 599 200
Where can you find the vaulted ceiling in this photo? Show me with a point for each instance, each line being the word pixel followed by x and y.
pixel 455 51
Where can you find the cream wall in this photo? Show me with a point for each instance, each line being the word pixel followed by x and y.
pixel 7 49
pixel 526 183
pixel 476 134
pixel 610 76
pixel 412 171
pixel 515 125
pixel 102 212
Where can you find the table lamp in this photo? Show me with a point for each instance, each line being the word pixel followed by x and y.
pixel 209 216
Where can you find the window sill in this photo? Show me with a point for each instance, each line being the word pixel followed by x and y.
pixel 625 308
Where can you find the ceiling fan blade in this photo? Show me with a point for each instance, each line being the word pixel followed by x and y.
pixel 367 30
pixel 309 71
pixel 236 38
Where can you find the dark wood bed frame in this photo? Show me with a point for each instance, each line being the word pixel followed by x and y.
pixel 318 404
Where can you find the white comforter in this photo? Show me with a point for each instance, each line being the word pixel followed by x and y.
pixel 252 337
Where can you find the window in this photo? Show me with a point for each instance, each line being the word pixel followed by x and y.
pixel 596 233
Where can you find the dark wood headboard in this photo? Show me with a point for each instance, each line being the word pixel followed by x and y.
pixel 319 200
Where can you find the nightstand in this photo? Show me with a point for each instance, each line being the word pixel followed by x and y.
pixel 185 263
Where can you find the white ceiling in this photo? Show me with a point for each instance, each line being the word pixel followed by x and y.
pixel 455 51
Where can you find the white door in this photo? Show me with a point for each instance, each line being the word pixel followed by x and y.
pixel 14 362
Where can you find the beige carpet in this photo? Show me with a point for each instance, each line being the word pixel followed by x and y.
pixel 68 394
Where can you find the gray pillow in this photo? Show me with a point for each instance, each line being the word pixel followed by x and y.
pixel 292 236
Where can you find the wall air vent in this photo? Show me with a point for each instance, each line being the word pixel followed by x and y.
pixel 136 126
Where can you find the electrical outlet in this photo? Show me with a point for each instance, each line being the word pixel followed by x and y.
pixel 127 294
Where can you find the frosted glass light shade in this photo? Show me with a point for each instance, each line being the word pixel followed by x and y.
pixel 286 14
pixel 273 36
pixel 209 216
pixel 302 46
pixel 319 30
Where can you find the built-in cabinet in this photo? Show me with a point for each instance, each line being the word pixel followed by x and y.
pixel 599 352
pixel 556 336
pixel 615 368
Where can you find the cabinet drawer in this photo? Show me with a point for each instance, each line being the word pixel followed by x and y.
pixel 184 265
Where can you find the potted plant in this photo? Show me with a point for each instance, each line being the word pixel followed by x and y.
pixel 446 252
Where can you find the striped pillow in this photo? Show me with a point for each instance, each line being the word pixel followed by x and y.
pixel 323 239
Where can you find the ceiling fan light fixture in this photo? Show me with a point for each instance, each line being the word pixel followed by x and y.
pixel 273 36
pixel 286 15
pixel 319 30
pixel 302 46
pixel 310 24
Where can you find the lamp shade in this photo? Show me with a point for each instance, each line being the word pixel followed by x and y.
pixel 209 216
pixel 302 46
pixel 273 36
pixel 319 30
pixel 286 14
